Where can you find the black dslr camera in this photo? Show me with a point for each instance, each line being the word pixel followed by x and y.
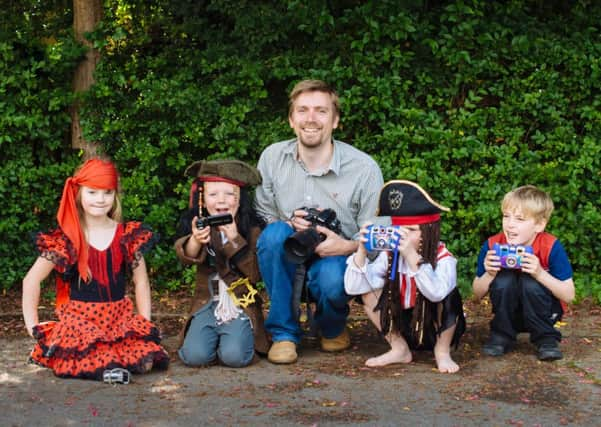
pixel 300 246
pixel 214 220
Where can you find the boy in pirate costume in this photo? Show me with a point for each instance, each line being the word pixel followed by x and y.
pixel 530 298
pixel 226 320
pixel 409 292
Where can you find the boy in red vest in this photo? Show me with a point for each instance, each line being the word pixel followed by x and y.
pixel 529 291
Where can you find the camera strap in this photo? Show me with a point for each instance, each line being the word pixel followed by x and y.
pixel 300 290
pixel 297 288
pixel 395 264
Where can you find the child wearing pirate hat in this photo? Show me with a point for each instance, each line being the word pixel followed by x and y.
pixel 226 319
pixel 409 291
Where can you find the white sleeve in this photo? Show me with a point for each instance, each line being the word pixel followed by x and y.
pixel 435 285
pixel 371 276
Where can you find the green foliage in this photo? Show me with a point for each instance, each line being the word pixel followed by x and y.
pixel 468 98
pixel 35 94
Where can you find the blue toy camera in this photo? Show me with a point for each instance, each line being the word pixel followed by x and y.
pixel 381 237
pixel 511 255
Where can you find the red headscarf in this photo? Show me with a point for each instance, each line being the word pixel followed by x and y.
pixel 94 173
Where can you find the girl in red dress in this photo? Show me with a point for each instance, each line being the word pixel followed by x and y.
pixel 93 253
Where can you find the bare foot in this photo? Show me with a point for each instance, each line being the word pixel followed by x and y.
pixel 445 363
pixel 390 357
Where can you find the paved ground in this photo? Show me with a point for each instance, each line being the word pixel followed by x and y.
pixel 324 389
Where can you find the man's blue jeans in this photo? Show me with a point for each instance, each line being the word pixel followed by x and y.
pixel 325 281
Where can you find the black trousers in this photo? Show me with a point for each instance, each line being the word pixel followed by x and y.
pixel 521 304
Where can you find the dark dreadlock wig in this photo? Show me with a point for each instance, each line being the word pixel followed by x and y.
pixel 246 217
pixel 391 312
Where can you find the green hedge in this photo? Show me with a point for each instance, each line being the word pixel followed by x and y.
pixel 468 98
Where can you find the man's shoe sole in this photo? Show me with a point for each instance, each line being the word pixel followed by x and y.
pixel 283 361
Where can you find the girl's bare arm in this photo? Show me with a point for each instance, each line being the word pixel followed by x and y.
pixel 142 289
pixel 40 269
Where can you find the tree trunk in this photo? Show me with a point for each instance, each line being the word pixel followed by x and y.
pixel 86 15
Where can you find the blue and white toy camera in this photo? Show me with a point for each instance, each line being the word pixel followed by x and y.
pixel 382 238
pixel 511 255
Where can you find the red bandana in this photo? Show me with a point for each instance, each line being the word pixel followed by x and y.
pixel 94 173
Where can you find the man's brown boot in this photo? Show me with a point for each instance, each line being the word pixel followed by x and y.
pixel 339 343
pixel 282 352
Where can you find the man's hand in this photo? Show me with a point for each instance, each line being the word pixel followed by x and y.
pixel 298 221
pixel 334 244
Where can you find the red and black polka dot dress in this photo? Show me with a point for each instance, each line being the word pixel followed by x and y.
pixel 97 328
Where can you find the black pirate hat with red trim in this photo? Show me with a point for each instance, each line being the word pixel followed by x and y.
pixel 408 203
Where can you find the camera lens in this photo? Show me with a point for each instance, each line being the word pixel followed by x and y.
pixel 300 246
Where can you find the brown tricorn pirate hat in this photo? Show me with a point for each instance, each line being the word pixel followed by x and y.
pixel 407 203
pixel 232 171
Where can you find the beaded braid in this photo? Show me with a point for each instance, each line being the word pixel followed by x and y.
pixel 388 304
pixel 199 205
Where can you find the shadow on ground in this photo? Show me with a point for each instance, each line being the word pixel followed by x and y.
pixel 321 389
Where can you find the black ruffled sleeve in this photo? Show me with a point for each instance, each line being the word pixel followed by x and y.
pixel 137 240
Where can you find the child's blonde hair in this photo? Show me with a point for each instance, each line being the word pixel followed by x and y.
pixel 531 200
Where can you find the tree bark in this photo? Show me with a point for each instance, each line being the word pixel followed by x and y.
pixel 86 15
